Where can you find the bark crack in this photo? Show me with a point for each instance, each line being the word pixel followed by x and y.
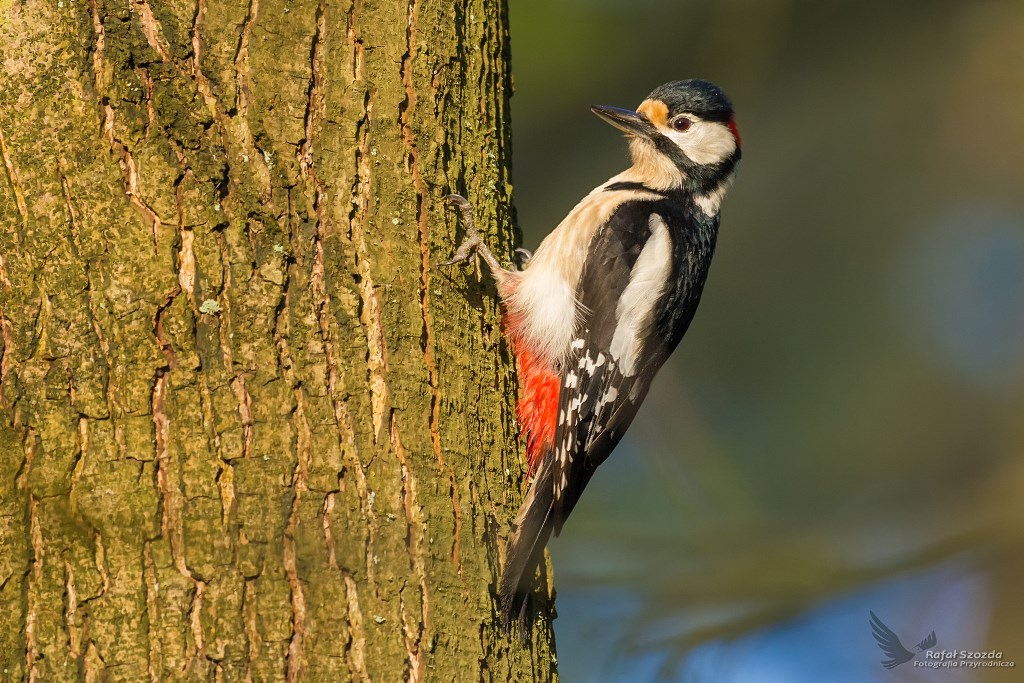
pixel 100 558
pixel 225 470
pixel 35 577
pixel 12 178
pixel 130 173
pixel 70 609
pixel 242 96
pixel 296 662
pixel 242 57
pixel 244 412
pixel 19 200
pixel 153 31
pixel 171 520
pixel 314 96
pixel 238 381
pixel 187 262
pixel 151 590
pixel 413 628
pixel 370 319
pixel 295 659
pixel 357 42
pixel 357 646
pixel 370 314
pixel 97 51
pixel 413 166
pixel 158 328
pixel 7 333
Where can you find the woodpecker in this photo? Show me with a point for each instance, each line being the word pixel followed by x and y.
pixel 595 312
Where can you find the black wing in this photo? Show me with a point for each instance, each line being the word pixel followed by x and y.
pixel 928 643
pixel 889 643
pixel 630 326
pixel 601 389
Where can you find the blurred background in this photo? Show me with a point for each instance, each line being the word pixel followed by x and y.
pixel 841 429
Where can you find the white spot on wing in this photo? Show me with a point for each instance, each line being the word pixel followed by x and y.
pixel 635 310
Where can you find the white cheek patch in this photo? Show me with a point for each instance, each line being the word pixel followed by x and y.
pixel 635 310
pixel 706 142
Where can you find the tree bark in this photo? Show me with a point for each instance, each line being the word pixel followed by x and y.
pixel 247 430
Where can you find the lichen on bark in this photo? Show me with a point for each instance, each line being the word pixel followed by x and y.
pixel 248 431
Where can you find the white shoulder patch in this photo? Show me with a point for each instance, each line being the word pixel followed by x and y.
pixel 635 310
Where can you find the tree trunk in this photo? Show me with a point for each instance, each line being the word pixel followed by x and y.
pixel 247 430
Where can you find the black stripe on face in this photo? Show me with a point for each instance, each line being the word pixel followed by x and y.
pixel 700 178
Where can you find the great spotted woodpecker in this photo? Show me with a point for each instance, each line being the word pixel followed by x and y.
pixel 607 296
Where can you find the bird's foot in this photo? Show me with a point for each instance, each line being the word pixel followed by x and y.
pixel 473 245
pixel 469 247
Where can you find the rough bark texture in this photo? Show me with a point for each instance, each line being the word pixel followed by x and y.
pixel 247 430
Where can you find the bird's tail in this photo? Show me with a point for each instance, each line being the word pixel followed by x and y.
pixel 526 547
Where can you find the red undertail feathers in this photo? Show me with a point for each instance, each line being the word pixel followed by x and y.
pixel 537 408
pixel 538 404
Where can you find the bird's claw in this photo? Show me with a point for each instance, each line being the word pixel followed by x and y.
pixel 466 249
pixel 473 245
pixel 459 201
pixel 473 239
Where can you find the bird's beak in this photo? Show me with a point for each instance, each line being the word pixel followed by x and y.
pixel 630 122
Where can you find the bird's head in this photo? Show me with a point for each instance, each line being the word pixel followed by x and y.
pixel 682 136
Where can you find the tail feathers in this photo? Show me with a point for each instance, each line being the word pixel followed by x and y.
pixel 526 548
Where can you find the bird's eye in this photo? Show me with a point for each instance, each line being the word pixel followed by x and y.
pixel 682 123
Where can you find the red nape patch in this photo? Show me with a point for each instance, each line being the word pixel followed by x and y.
pixel 731 125
pixel 537 408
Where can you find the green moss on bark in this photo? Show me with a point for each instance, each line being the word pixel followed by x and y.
pixel 246 430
